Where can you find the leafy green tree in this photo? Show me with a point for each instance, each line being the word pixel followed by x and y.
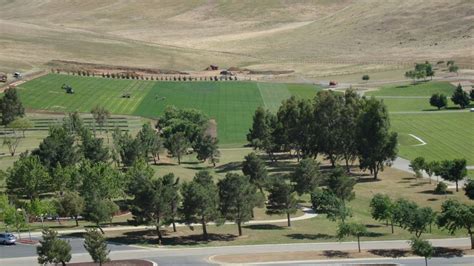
pixel 12 142
pixel 93 148
pixel 294 127
pixel 453 170
pixel 262 135
pixel 171 188
pixel 200 201
pixel 237 198
pixel 52 249
pixel 429 70
pixel 306 176
pixel 102 180
pixel 99 210
pixel 327 115
pixel 382 209
pixel 73 123
pixel 101 115
pixel 28 177
pixel 341 185
pixel 128 148
pixel 471 94
pixel 413 218
pixel 460 97
pixel 349 115
pixel 377 145
pixel 438 100
pixel 455 215
pixel 150 204
pixel 21 124
pixel 66 178
pixel 178 145
pixel 430 168
pixel 207 149
pixel 189 122
pixel 11 106
pixel 96 246
pixel 469 189
pixel 150 141
pixel 423 248
pixel 417 166
pixel 324 201
pixel 254 167
pixel 441 188
pixel 281 200
pixel 10 216
pixel 71 204
pixel 453 68
pixel 57 148
pixel 351 229
pixel 41 209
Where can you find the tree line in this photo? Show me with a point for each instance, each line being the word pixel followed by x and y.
pixel 339 126
pixel 459 97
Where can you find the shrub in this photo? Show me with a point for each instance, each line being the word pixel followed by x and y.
pixel 469 189
pixel 441 188
pixel 365 77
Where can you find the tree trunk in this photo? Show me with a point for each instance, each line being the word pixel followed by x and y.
pixel 77 220
pixel 154 160
pixel 472 240
pixel 289 220
pixel 391 222
pixel 63 263
pixel 457 189
pixel 376 171
pixel 179 160
pixel 204 229
pixel 426 261
pixel 239 225
pixel 358 242
pixel 100 228
pixel 160 237
pixel 174 226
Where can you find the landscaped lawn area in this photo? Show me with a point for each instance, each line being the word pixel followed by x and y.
pixel 418 89
pixel 231 104
pixel 447 135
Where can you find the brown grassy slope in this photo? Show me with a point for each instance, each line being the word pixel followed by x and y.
pixel 189 34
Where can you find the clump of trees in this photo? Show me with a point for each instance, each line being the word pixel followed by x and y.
pixel 460 97
pixel 421 71
pixel 341 127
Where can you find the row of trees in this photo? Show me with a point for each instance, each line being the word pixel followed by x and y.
pixel 450 170
pixel 459 97
pixel 133 75
pixel 417 220
pixel 340 126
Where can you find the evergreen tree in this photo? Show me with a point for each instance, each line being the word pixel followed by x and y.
pixel 11 106
pixel 96 246
pixel 281 200
pixel 52 249
pixel 460 97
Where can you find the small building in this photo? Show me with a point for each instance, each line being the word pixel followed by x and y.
pixel 17 75
pixel 3 77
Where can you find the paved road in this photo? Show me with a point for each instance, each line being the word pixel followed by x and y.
pixel 200 256
pixel 402 261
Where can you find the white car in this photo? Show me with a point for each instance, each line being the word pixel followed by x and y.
pixel 7 239
pixel 472 110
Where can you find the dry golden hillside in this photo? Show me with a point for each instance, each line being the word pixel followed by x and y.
pixel 310 37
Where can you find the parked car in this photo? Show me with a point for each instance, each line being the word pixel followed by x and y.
pixel 7 239
pixel 472 109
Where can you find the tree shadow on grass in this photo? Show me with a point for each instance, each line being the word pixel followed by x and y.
pixel 432 192
pixel 374 234
pixel 263 227
pixel 310 236
pixel 149 237
pixel 392 253
pixel 367 180
pixel 198 168
pixel 336 254
pixel 232 166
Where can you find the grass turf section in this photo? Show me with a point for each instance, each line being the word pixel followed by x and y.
pixel 418 89
pixel 448 135
pixel 232 104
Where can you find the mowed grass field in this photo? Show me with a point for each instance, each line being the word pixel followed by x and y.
pixel 447 134
pixel 231 104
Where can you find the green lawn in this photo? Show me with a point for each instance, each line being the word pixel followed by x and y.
pixel 448 135
pixel 231 104
pixel 419 89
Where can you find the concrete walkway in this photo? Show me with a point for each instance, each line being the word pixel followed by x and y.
pixel 308 213
pixel 404 165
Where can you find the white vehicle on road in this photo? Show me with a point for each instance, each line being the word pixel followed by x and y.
pixel 7 239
